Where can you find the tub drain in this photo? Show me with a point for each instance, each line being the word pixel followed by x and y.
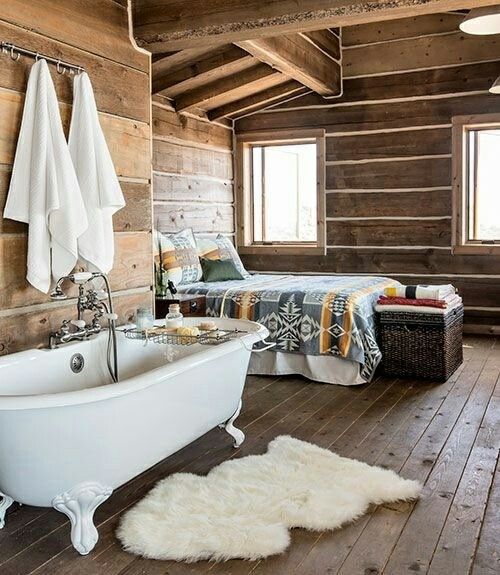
pixel 76 363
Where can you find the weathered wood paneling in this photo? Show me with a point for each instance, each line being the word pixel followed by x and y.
pixel 192 189
pixel 389 204
pixel 414 261
pixel 97 39
pixel 102 30
pixel 483 322
pixel 379 261
pixel 172 126
pixel 200 217
pixel 110 96
pixel 435 82
pixel 193 174
pixel 128 140
pixel 403 28
pixel 422 173
pixel 179 159
pixel 135 216
pixel 388 133
pixel 424 52
pixel 388 233
pixel 130 146
pixel 393 145
pixel 132 268
pixel 430 112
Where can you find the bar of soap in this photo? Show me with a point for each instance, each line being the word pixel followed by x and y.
pixel 192 331
pixel 208 325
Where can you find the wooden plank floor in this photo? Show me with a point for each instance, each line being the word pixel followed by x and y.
pixel 446 435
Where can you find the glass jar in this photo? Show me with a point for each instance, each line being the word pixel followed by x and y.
pixel 174 317
pixel 144 318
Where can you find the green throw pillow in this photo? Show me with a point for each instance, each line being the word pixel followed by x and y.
pixel 219 270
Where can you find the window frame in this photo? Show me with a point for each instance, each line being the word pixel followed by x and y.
pixel 244 194
pixel 461 126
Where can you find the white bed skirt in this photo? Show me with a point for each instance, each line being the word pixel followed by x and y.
pixel 320 368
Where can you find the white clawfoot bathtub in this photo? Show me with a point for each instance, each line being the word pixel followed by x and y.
pixel 69 439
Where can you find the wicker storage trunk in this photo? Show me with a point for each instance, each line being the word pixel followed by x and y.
pixel 421 345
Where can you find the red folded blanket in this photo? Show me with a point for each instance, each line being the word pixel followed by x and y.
pixel 441 303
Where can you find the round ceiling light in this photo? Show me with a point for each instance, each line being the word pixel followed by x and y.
pixel 482 21
pixel 495 89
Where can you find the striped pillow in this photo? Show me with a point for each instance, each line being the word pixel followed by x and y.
pixel 179 256
pixel 220 248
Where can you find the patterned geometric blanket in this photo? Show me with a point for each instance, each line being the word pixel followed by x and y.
pixel 310 315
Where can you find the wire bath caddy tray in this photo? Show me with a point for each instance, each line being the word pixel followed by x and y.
pixel 161 336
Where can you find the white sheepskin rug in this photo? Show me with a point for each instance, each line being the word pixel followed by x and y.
pixel 245 507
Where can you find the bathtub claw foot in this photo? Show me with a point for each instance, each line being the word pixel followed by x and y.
pixel 79 504
pixel 4 505
pixel 237 434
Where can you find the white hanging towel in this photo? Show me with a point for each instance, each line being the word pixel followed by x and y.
pixel 44 190
pixel 97 177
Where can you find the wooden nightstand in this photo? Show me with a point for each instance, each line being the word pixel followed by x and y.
pixel 191 305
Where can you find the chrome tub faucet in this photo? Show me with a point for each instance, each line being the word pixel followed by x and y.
pixel 88 300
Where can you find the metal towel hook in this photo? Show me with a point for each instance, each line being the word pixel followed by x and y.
pixel 18 55
pixel 16 52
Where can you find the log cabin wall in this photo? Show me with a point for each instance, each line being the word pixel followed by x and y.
pixel 97 39
pixel 388 156
pixel 192 173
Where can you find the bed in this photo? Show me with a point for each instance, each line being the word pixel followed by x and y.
pixel 323 326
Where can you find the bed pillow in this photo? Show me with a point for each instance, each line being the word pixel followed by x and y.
pixel 220 248
pixel 219 270
pixel 179 256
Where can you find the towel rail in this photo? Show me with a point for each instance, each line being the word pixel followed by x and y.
pixel 16 52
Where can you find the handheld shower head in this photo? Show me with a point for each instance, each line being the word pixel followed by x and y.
pixel 78 278
pixel 81 277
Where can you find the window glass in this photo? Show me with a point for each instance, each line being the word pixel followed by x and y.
pixel 284 189
pixel 483 181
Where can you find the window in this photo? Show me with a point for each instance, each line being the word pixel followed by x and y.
pixel 280 205
pixel 476 205
pixel 284 193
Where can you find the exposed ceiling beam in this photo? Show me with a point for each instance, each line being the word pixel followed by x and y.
pixel 247 81
pixel 300 59
pixel 162 25
pixel 221 62
pixel 173 61
pixel 326 41
pixel 259 100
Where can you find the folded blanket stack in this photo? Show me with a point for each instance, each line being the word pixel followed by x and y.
pixel 419 298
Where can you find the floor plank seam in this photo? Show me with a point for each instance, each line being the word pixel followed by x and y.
pixel 408 457
pixel 462 475
pixel 490 490
pixel 457 420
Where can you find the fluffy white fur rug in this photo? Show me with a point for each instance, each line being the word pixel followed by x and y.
pixel 244 507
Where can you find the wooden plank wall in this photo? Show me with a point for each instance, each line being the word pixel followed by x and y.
pixel 388 160
pixel 192 173
pixel 97 39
